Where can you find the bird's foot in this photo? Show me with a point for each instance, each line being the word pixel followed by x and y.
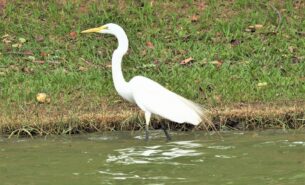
pixel 146 133
pixel 168 137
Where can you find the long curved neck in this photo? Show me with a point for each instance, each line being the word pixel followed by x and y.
pixel 120 83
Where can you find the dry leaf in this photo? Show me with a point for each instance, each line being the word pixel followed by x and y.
pixel 201 6
pixel 82 69
pixel 39 61
pixel 73 35
pixel 218 63
pixel 250 29
pixel 82 9
pixel 14 67
pixel 143 52
pixel 108 65
pixel 291 49
pixel 39 38
pixel 217 98
pixel 234 42
pixel 31 58
pixel 5 36
pixel 150 45
pixel 186 61
pixel 262 84
pixel 6 40
pixel 27 70
pixel 194 18
pixel 22 40
pixel 43 54
pixel 43 98
pixel 2 6
pixel 258 26
pixel 17 45
pixel 28 52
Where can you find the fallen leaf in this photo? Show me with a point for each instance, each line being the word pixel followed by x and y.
pixel 186 61
pixel 39 61
pixel 5 36
pixel 28 52
pixel 22 40
pixel 291 49
pixel 150 45
pixel 6 40
pixel 82 69
pixel 2 6
pixel 43 98
pixel 156 62
pixel 39 38
pixel 31 58
pixel 73 35
pixel 88 63
pixel 217 98
pixel 201 6
pixel 262 84
pixel 218 63
pixel 17 45
pixel 218 34
pixel 235 42
pixel 250 29
pixel 27 70
pixel 258 26
pixel 194 18
pixel 82 9
pixel 43 54
pixel 143 52
pixel 14 67
pixel 108 66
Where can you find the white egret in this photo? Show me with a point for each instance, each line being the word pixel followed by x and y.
pixel 150 96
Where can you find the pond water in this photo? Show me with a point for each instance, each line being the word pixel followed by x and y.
pixel 268 157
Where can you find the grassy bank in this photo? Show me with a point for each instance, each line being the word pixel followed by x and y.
pixel 242 52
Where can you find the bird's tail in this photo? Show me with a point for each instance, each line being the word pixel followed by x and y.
pixel 204 114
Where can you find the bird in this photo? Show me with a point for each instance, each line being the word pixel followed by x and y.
pixel 148 95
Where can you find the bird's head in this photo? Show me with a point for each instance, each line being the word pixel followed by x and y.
pixel 115 30
pixel 109 28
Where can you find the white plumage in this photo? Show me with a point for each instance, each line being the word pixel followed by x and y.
pixel 153 98
pixel 150 96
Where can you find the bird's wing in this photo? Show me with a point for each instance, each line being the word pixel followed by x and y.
pixel 154 98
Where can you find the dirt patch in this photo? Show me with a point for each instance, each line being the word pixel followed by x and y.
pixel 2 6
pixel 126 117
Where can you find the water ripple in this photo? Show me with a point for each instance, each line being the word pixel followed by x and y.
pixel 132 175
pixel 156 154
pixel 221 147
pixel 284 143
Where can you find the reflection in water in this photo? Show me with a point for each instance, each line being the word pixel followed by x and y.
pixel 157 154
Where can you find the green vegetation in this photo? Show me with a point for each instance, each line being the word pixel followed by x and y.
pixel 232 62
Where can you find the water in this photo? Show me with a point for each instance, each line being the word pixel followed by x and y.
pixel 268 157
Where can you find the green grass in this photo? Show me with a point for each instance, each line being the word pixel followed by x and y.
pixel 262 56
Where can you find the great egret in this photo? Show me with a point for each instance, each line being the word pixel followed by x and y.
pixel 150 96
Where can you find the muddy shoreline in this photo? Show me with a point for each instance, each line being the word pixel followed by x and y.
pixel 45 121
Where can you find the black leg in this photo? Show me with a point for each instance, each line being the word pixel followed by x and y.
pixel 168 137
pixel 146 133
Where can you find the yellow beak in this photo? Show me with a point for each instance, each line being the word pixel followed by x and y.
pixel 95 30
